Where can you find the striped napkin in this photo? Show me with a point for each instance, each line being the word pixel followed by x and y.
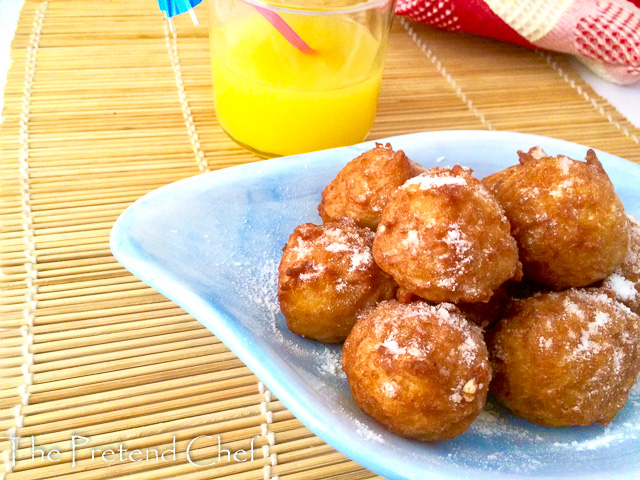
pixel 603 34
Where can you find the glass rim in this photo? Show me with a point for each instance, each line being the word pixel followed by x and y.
pixel 319 10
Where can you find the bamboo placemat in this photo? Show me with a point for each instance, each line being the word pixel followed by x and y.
pixel 103 104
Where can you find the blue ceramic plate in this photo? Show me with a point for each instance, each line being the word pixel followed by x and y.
pixel 212 244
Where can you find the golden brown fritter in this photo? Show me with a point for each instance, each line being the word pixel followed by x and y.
pixel 569 223
pixel 326 276
pixel 565 358
pixel 625 281
pixel 445 238
pixel 422 371
pixel 363 187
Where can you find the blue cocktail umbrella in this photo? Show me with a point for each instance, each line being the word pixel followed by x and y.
pixel 171 8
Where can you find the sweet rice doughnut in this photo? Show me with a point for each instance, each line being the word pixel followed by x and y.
pixel 625 281
pixel 568 221
pixel 363 187
pixel 445 238
pixel 421 370
pixel 565 358
pixel 326 276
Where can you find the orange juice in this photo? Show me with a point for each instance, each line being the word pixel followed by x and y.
pixel 276 100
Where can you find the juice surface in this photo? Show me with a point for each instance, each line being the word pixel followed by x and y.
pixel 279 101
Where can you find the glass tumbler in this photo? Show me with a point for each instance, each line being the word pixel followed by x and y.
pixel 297 76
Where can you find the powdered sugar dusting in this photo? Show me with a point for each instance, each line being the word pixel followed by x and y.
pixel 456 397
pixel 393 347
pixel 389 389
pixel 261 289
pixel 458 255
pixel 545 343
pixel 366 432
pixel 587 345
pixel 589 341
pixel 336 247
pixel 361 260
pixel 409 347
pixel 455 238
pixel 332 363
pixel 593 444
pixel 458 392
pixel 560 189
pixel 572 308
pixel 412 241
pixel 492 422
pixel 625 289
pixel 468 350
pixel 315 272
pixel 565 164
pixel 600 296
pixel 428 181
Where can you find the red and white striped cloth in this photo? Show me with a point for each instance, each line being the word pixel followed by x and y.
pixel 603 34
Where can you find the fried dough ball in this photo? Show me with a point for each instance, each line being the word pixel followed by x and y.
pixel 363 187
pixel 565 358
pixel 422 371
pixel 326 276
pixel 625 281
pixel 569 223
pixel 445 238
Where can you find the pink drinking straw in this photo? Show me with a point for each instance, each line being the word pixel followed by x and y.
pixel 283 27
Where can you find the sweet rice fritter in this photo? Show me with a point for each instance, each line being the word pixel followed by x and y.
pixel 421 370
pixel 326 276
pixel 445 238
pixel 569 223
pixel 565 358
pixel 364 186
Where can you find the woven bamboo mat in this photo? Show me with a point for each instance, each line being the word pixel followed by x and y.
pixel 103 104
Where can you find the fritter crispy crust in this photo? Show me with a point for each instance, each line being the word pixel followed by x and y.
pixel 565 358
pixel 364 186
pixel 326 276
pixel 422 371
pixel 569 223
pixel 445 238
